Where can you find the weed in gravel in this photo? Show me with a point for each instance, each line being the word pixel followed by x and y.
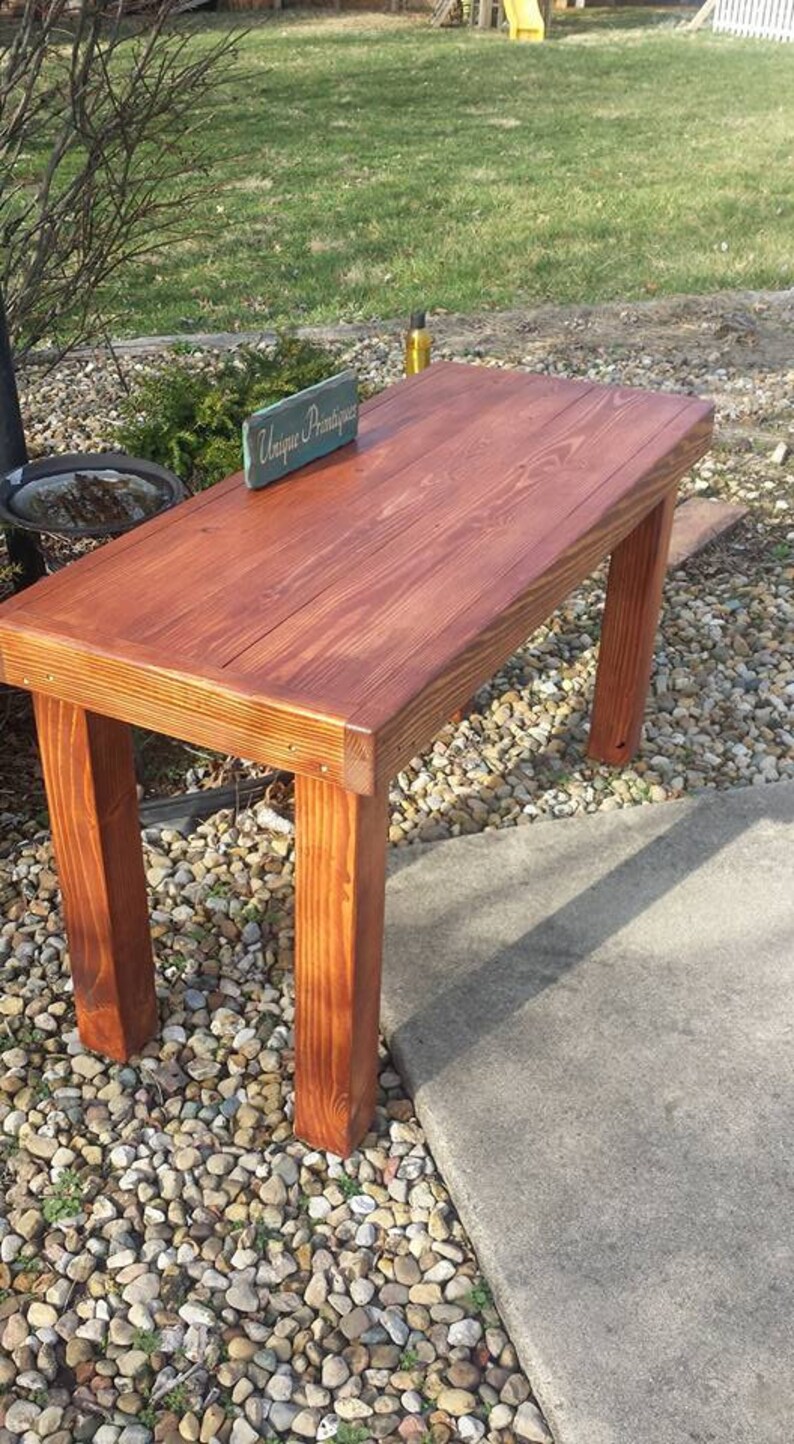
pixel 348 1187
pixel 177 1400
pixel 351 1434
pixel 480 1298
pixel 27 1263
pixel 147 1340
pixel 66 1198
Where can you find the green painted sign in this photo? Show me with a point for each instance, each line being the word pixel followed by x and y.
pixel 294 432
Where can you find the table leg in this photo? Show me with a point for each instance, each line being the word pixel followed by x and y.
pixel 631 614
pixel 90 781
pixel 340 886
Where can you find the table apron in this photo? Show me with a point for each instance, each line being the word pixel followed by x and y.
pixel 408 733
pixel 191 709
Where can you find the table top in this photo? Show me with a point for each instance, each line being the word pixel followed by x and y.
pixel 370 578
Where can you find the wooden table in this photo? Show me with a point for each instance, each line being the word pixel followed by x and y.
pixel 331 625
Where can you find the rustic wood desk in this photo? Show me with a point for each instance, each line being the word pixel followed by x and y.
pixel 331 625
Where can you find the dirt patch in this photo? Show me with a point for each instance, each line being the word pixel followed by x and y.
pixel 751 330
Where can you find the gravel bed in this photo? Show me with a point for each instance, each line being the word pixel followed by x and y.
pixel 173 1265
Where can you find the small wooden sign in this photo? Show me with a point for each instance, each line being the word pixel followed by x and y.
pixel 294 432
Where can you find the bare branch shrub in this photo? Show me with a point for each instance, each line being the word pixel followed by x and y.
pixel 105 124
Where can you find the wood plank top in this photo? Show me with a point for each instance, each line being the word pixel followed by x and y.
pixel 342 594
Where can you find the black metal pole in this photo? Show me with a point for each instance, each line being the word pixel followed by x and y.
pixel 23 553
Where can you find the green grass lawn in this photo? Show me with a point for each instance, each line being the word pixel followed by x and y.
pixel 366 164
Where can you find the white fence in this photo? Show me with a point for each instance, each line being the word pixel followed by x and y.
pixel 765 19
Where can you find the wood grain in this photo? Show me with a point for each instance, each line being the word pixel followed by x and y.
pixel 631 614
pixel 90 781
pixel 235 572
pixel 321 521
pixel 457 534
pixel 174 521
pixel 202 708
pixel 340 885
pixel 397 724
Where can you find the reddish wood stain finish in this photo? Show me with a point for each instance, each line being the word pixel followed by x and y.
pixel 634 594
pixel 331 624
pixel 340 887
pixel 90 780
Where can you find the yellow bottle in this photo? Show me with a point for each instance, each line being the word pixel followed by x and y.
pixel 418 344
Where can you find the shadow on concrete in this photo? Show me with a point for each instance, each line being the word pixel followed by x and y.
pixel 540 957
pixel 596 1019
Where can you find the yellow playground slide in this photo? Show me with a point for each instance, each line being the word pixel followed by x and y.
pixel 524 19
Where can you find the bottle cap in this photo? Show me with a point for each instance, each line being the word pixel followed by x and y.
pixel 418 319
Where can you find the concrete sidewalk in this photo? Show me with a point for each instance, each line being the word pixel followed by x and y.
pixel 596 1016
